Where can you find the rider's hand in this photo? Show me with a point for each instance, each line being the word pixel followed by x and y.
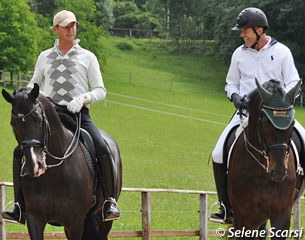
pixel 78 102
pixel 238 101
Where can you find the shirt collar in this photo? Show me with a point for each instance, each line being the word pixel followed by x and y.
pixel 57 48
pixel 270 42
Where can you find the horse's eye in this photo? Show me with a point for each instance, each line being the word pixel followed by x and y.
pixel 37 119
pixel 266 121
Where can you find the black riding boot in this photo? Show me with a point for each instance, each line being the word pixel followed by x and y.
pixel 17 215
pixel 225 214
pixel 107 179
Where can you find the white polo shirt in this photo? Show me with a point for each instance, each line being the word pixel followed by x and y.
pixel 273 61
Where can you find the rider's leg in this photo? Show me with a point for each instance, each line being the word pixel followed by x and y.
pixel 107 171
pixel 18 213
pixel 220 175
pixel 225 212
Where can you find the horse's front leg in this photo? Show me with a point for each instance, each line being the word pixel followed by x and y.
pixel 74 230
pixel 246 227
pixel 279 223
pixel 35 227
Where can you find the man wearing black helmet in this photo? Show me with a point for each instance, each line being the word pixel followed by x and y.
pixel 260 57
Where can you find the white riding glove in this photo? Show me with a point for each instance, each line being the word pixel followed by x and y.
pixel 78 102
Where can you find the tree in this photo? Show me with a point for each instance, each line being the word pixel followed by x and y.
pixel 18 41
pixel 44 7
pixel 285 21
pixel 104 13
pixel 128 15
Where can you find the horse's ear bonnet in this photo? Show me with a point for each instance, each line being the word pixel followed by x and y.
pixel 278 106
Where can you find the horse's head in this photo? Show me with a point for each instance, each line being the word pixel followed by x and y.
pixel 274 126
pixel 30 127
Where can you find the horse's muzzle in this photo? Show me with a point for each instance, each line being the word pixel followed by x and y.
pixel 278 175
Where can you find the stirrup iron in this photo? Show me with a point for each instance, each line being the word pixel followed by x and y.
pixel 222 221
pixel 20 213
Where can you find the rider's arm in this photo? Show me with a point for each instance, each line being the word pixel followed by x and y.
pixel 98 91
pixel 289 71
pixel 233 78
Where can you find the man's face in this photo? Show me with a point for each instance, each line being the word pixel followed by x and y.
pixel 249 35
pixel 66 33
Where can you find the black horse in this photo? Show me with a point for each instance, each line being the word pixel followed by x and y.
pixel 60 188
pixel 262 169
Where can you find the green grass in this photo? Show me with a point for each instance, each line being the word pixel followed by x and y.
pixel 166 111
pixel 150 65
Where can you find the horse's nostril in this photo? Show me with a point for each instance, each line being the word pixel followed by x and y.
pixel 40 165
pixel 278 175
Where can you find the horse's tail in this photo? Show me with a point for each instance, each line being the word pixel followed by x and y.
pixel 95 229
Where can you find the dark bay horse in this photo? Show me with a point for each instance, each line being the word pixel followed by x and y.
pixel 262 168
pixel 58 190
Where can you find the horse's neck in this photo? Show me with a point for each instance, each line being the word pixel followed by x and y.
pixel 59 137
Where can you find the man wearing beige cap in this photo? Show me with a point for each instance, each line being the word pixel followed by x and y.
pixel 70 76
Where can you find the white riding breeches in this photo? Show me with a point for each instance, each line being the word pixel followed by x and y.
pixel 217 153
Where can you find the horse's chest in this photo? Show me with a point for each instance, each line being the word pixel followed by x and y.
pixel 262 195
pixel 44 190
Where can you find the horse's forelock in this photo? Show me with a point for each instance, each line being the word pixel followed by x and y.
pixel 22 102
pixel 273 86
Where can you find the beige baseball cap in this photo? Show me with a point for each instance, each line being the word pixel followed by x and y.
pixel 63 18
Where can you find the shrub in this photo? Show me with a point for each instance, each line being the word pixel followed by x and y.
pixel 124 46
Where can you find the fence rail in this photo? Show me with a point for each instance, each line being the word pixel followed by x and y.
pixel 146 232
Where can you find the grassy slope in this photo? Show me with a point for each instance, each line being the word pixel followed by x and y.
pixel 153 137
pixel 159 150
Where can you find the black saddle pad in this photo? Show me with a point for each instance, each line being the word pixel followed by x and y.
pixel 227 145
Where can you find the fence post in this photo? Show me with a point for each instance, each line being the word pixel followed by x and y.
pixel 146 216
pixel 203 217
pixel 2 204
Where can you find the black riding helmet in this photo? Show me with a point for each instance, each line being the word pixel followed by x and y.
pixel 251 17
